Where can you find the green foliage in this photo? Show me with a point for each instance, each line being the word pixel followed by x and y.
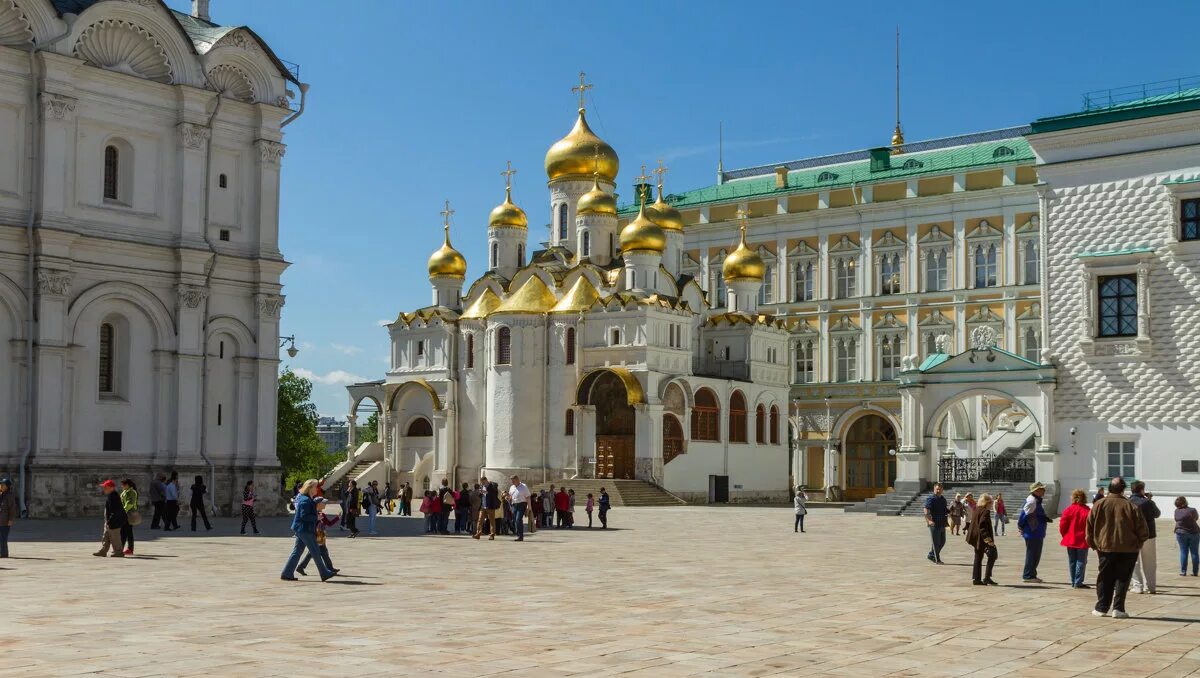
pixel 301 451
pixel 368 432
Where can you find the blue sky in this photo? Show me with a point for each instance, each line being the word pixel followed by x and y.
pixel 414 103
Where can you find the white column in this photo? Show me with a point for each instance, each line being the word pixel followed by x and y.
pixel 823 274
pixel 270 155
pixel 868 275
pixel 783 274
pixel 1009 257
pixel 958 255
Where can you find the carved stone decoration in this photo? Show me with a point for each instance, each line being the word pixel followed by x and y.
pixel 241 40
pixel 191 296
pixel 15 29
pixel 54 281
pixel 983 337
pixel 121 46
pixel 271 152
pixel 143 3
pixel 194 136
pixel 232 82
pixel 57 105
pixel 942 343
pixel 268 305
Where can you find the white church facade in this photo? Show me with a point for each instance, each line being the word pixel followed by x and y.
pixel 140 153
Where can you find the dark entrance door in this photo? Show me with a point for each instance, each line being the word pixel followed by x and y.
pixel 615 440
pixel 718 489
pixel 870 469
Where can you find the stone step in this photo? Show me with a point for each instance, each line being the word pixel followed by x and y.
pixel 620 492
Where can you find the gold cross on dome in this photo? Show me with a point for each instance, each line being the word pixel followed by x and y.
pixel 446 214
pixel 660 171
pixel 743 218
pixel 643 178
pixel 582 89
pixel 508 173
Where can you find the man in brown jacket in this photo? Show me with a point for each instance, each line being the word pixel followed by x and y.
pixel 1116 529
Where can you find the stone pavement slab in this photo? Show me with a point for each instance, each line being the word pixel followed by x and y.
pixel 680 591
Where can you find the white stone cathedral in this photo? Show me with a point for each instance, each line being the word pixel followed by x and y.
pixel 592 358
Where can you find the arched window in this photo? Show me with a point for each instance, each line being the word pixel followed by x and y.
pixel 562 221
pixel 705 416
pixel 1033 345
pixel 774 425
pixel 569 423
pixel 760 424
pixel 737 417
pixel 889 274
pixel 223 181
pixel 112 168
pixel 586 249
pixel 804 282
pixel 470 351
pixel 672 438
pixel 616 337
pixel 805 362
pixel 847 359
pixel 495 254
pixel 105 364
pixel 419 428
pixel 503 346
pixel 520 255
pixel 985 266
pixel 570 346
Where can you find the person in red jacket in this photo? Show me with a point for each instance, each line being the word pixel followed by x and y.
pixel 562 503
pixel 1073 527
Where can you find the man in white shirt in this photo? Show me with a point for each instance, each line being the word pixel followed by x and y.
pixel 519 495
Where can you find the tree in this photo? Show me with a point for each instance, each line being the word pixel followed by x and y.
pixel 301 451
pixel 368 432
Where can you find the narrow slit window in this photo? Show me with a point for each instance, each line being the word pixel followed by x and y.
pixel 112 165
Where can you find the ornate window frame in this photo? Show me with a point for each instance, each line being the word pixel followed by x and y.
pixel 1030 321
pixel 893 333
pixel 716 276
pixel 802 255
pixel 766 291
pixel 985 317
pixel 1177 192
pixel 806 337
pixel 933 326
pixel 842 335
pixel 1138 262
pixel 935 242
pixel 1029 236
pixel 892 249
pixel 980 240
pixel 843 256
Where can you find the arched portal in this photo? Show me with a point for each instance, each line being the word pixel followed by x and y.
pixel 870 465
pixel 672 438
pixel 614 426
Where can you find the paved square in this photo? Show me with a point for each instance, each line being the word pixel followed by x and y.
pixel 673 592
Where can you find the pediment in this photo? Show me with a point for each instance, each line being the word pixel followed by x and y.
pixel 889 242
pixel 982 360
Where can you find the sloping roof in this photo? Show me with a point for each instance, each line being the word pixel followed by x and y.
pixel 581 296
pixel 1147 107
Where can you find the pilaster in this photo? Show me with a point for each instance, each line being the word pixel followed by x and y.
pixel 193 157
pixel 270 156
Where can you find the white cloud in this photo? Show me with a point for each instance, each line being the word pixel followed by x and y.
pixel 383 323
pixel 307 346
pixel 346 349
pixel 333 378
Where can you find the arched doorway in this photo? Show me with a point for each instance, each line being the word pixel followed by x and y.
pixel 672 438
pixel 870 468
pixel 614 427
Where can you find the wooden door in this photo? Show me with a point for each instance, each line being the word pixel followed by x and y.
pixel 614 457
pixel 815 475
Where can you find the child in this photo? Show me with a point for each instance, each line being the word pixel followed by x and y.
pixel 323 521
pixel 427 511
pixel 570 509
pixel 591 504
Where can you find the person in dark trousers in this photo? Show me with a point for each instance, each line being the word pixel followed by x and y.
pixel 323 521
pixel 129 502
pixel 407 496
pixel 981 535
pixel 800 506
pixel 304 526
pixel 462 509
pixel 1116 529
pixel 1032 524
pixel 248 499
pixel 8 513
pixel 171 510
pixel 197 503
pixel 936 512
pixel 446 497
pixel 589 507
pixel 352 504
pixel 489 502
pixel 114 520
pixel 1145 573
pixel 158 500
pixel 605 505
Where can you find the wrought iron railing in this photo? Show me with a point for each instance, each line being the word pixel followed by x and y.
pixel 1116 96
pixel 987 469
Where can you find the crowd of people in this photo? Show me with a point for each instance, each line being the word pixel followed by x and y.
pixel 1120 529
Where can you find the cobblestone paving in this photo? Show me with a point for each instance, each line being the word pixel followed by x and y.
pixel 672 592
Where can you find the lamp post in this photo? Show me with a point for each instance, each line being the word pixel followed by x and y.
pixel 290 342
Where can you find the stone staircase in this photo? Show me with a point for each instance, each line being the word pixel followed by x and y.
pixel 354 472
pixel 895 504
pixel 620 492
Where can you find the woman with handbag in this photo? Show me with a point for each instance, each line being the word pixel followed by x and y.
pixel 129 502
pixel 248 499
pixel 982 538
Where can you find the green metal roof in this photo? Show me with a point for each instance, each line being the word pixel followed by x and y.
pixel 1183 180
pixel 933 360
pixel 843 175
pixel 1147 107
pixel 1115 253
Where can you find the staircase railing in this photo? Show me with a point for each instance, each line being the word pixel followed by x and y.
pixel 975 469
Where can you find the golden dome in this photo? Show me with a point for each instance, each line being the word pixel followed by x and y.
pixel 508 215
pixel 597 200
pixel 744 264
pixel 643 235
pixel 483 306
pixel 580 297
pixel 663 214
pixel 579 152
pixel 447 261
pixel 532 297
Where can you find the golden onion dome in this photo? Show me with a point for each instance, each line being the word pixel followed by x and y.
pixel 664 214
pixel 597 200
pixel 447 261
pixel 507 214
pixel 643 235
pixel 581 151
pixel 744 264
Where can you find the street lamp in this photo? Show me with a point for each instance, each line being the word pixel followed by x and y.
pixel 290 342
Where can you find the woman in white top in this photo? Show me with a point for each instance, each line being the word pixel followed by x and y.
pixel 799 503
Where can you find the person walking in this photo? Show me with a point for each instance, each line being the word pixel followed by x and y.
pixel 1001 515
pixel 114 519
pixel 446 505
pixel 956 514
pixel 591 504
pixel 304 527
pixel 519 496
pixel 800 505
pixel 605 506
pixel 323 522
pixel 248 499
pixel 489 501
pixel 371 503
pixel 129 502
pixel 570 509
pixel 462 508
pixel 408 499
pixel 982 538
pixel 476 502
pixel 1145 572
pixel 389 497
pixel 1032 523
pixel 547 507
pixel 351 505
pixel 171 497
pixel 969 505
pixel 1072 526
pixel 936 512
pixel 197 503
pixel 1187 534
pixel 1116 530
pixel 8 513
pixel 560 508
pixel 158 500
pixel 535 512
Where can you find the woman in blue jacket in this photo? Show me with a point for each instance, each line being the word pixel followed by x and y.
pixel 304 525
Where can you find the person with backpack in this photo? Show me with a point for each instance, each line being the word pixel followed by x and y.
pixel 129 502
pixel 446 505
pixel 371 503
pixel 352 506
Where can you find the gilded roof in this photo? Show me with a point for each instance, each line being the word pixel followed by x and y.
pixel 483 306
pixel 579 298
pixel 532 297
